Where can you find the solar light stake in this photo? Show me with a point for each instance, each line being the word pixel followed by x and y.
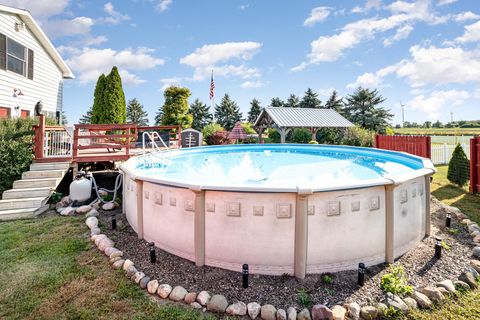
pixel 438 247
pixel 153 254
pixel 114 222
pixel 361 274
pixel 245 276
pixel 448 222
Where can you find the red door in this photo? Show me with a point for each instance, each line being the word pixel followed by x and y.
pixel 4 112
pixel 24 114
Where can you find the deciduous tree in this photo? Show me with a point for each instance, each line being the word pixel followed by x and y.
pixel 175 107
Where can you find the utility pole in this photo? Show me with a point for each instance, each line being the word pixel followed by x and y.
pixel 403 113
pixel 451 116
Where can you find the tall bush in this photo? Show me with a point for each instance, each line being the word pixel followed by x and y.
pixel 459 167
pixel 109 104
pixel 175 107
pixel 301 135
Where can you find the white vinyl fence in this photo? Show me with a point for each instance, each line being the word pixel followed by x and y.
pixel 441 154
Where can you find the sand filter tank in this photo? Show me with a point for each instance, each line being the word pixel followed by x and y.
pixel 81 187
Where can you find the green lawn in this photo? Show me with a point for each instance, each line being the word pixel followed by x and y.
pixel 438 131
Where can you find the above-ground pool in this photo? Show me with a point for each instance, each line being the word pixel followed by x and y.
pixel 280 209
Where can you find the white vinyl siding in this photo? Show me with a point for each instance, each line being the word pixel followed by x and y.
pixel 47 82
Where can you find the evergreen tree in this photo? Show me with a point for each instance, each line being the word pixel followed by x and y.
pixel 254 111
pixel 335 102
pixel 109 100
pixel 201 115
pixel 293 101
pixel 277 102
pixel 136 114
pixel 310 100
pixel 64 117
pixel 175 107
pixel 227 113
pixel 459 167
pixel 158 117
pixel 363 108
pixel 86 118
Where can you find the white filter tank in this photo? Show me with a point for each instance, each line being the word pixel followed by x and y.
pixel 80 189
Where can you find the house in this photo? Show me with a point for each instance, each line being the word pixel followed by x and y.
pixel 31 69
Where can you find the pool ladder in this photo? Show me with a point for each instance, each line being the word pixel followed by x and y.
pixel 153 147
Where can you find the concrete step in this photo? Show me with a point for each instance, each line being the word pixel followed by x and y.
pixel 11 204
pixel 49 166
pixel 26 213
pixel 43 174
pixel 27 193
pixel 35 183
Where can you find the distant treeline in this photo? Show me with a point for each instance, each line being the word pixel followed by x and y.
pixel 438 124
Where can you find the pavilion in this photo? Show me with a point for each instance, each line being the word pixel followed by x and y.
pixel 285 119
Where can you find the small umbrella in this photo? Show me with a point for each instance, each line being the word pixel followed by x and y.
pixel 237 132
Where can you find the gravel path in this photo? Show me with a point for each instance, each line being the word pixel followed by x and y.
pixel 281 291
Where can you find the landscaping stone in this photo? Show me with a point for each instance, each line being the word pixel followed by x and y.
pixel 422 300
pixel 138 276
pixel 237 309
pixel 127 264
pixel 152 286
pixel 253 309
pixel 447 284
pixel 95 231
pixel 164 290
pixel 92 213
pixel 353 310
pixel 469 279
pixel 203 298
pixel 473 227
pixel 475 264
pixel 291 313
pixel 217 303
pixel 110 250
pixel 281 314
pixel 466 221
pixel 368 313
pixel 443 291
pixel 99 238
pixel 190 297
pixel 91 222
pixel 475 233
pixel 472 271
pixel 410 302
pixel 102 193
pixel 116 254
pixel 118 264
pixel 130 271
pixel 65 201
pixel 304 315
pixel 108 206
pixel 338 312
pixel 68 211
pixel 381 307
pixel 113 260
pixel 268 312
pixel 196 305
pixel 321 312
pixel 476 252
pixel 143 283
pixel 83 209
pixel 460 285
pixel 104 244
pixel 178 293
pixel 433 294
pixel 397 303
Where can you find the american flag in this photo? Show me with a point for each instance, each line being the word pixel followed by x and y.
pixel 212 87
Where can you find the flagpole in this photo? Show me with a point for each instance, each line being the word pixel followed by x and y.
pixel 212 94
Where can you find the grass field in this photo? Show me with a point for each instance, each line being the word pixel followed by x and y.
pixel 49 270
pixel 439 131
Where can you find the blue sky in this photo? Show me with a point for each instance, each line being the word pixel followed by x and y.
pixel 424 53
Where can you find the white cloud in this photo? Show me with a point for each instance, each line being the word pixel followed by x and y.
pixel 93 41
pixel 244 6
pixel 252 84
pixel 373 80
pixel 39 8
pixel 445 2
pixel 318 14
pixel 432 106
pixel 114 17
pixel 168 82
pixel 219 57
pixel 129 78
pixel 471 34
pixel 465 16
pixel 369 5
pixel 163 5
pixel 65 27
pixel 402 33
pixel 89 63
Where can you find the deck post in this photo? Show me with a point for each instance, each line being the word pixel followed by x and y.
pixel 199 228
pixel 428 219
pixel 389 223
pixel 301 234
pixel 40 138
pixel 139 208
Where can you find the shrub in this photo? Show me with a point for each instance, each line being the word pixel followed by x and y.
pixel 329 136
pixel 273 136
pixel 247 126
pixel 219 137
pixel 327 279
pixel 357 136
pixel 395 281
pixel 459 167
pixel 210 129
pixel 301 135
pixel 303 298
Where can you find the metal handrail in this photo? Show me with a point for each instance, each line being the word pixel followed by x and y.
pixel 152 135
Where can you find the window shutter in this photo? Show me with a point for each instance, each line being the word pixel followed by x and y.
pixel 3 52
pixel 30 64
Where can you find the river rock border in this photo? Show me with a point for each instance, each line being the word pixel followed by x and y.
pixel 424 299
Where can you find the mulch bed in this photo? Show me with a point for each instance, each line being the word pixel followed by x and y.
pixel 281 291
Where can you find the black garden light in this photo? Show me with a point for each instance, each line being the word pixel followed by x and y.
pixel 153 254
pixel 361 274
pixel 245 276
pixel 114 222
pixel 448 221
pixel 438 247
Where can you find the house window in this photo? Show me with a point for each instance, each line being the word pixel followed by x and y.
pixel 24 114
pixel 15 57
pixel 4 112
